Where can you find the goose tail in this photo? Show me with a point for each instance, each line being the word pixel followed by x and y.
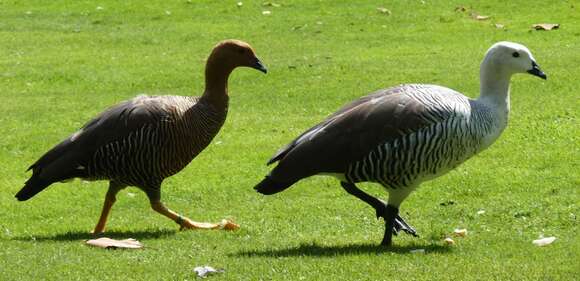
pixel 32 187
pixel 269 186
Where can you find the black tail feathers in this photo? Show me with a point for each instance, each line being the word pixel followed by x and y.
pixel 33 186
pixel 268 186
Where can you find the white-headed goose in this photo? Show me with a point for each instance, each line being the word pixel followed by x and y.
pixel 401 136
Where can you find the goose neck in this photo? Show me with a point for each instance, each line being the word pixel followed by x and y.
pixel 495 86
pixel 216 83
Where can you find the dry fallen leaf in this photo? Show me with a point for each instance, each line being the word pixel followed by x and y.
pixel 498 26
pixel 449 241
pixel 546 26
pixel 460 232
pixel 266 13
pixel 544 241
pixel 480 17
pixel 384 11
pixel 109 243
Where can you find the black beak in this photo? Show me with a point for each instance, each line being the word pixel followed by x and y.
pixel 536 71
pixel 259 66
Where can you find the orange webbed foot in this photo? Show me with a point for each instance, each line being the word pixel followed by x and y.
pixel 225 224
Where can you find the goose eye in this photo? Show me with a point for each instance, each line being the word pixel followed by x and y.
pixel 515 54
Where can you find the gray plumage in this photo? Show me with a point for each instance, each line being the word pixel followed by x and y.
pixel 430 130
pixel 402 136
pixel 450 129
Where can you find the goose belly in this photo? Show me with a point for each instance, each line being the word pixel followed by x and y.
pixel 154 152
pixel 416 157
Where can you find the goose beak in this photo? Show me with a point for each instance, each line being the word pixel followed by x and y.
pixel 536 71
pixel 259 66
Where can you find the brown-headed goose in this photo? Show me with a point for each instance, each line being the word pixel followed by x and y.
pixel 142 141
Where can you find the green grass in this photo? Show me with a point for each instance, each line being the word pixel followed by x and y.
pixel 62 62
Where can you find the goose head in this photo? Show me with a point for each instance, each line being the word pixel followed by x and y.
pixel 509 58
pixel 232 53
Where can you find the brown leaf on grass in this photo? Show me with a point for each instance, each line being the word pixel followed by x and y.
pixel 472 13
pixel 449 241
pixel 460 232
pixel 109 243
pixel 546 26
pixel 480 17
pixel 384 11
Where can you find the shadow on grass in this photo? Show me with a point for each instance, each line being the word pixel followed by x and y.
pixel 341 250
pixel 82 235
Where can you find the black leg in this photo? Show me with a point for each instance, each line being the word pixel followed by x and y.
pixel 374 202
pixel 391 217
pixel 391 214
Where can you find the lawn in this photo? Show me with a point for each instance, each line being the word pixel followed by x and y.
pixel 62 62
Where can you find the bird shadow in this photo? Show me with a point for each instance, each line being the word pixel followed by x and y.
pixel 82 235
pixel 315 250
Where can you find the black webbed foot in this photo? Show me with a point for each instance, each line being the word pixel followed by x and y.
pixel 393 222
pixel 401 224
pixel 398 224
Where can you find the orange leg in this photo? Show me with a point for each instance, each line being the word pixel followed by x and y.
pixel 189 224
pixel 110 199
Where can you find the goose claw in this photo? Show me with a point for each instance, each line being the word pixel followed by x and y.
pixel 398 224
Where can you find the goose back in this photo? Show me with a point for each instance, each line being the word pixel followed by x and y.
pixel 397 136
pixel 137 142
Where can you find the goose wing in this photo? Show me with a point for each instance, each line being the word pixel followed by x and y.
pixel 352 132
pixel 115 123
